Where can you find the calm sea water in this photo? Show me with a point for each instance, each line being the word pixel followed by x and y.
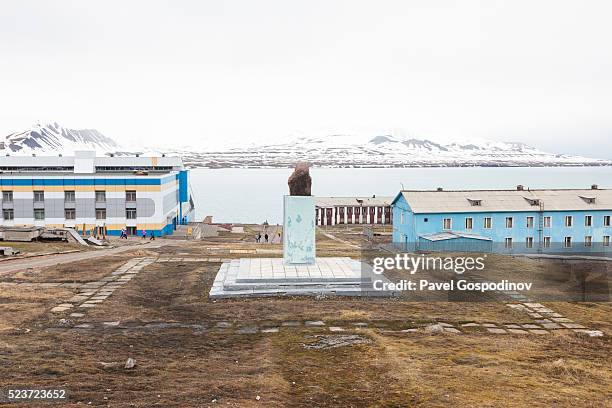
pixel 255 195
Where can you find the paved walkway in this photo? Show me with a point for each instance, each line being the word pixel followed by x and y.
pixel 16 265
pixel 544 320
pixel 382 327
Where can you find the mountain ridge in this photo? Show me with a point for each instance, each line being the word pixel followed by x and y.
pixel 334 150
pixel 51 138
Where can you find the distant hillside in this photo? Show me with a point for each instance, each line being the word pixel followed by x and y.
pixel 385 151
pixel 52 139
pixel 323 151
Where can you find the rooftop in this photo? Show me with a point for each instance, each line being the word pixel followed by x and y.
pixel 86 162
pixel 444 236
pixel 466 201
pixel 353 201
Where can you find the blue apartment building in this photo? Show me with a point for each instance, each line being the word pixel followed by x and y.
pixel 511 221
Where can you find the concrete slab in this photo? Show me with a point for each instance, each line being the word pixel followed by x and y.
pixel 451 330
pixel 517 331
pixel 317 323
pixel 496 331
pixel 270 330
pixel 253 277
pixel 573 326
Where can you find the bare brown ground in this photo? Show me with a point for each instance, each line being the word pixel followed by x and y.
pixel 191 368
pixel 81 271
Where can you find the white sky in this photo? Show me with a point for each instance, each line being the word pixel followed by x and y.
pixel 221 71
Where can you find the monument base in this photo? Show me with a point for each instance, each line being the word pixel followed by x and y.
pixel 299 230
pixel 252 277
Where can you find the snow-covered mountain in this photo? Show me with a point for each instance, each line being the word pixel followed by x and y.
pixel 53 139
pixel 385 151
pixel 339 150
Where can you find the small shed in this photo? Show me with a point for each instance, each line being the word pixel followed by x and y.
pixel 449 241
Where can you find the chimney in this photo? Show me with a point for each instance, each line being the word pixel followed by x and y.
pixel 594 187
pixel 520 187
pixel 439 189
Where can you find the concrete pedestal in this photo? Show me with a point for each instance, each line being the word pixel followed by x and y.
pixel 299 230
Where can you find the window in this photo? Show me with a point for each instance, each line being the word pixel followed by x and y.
pixel 529 222
pixel 130 196
pixel 547 221
pixel 39 214
pixel 546 242
pixel 509 222
pixel 569 220
pixel 567 242
pixel 8 214
pixel 529 242
pixel 469 222
pixel 39 196
pixel 588 241
pixel 508 242
pixel 606 240
pixel 606 220
pixel 130 213
pixel 100 196
pixel 100 213
pixel 588 220
pixel 447 224
pixel 402 217
pixel 69 196
pixel 488 222
pixel 7 196
pixel 69 214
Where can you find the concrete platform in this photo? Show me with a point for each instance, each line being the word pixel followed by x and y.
pixel 271 277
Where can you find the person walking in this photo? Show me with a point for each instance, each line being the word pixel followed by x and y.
pixel 144 234
pixel 266 237
pixel 258 237
pixel 152 236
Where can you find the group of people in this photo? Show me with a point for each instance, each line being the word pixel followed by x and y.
pixel 144 234
pixel 266 237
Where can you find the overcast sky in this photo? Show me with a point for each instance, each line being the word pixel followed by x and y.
pixel 222 71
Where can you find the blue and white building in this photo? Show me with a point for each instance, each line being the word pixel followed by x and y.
pixel 521 220
pixel 96 195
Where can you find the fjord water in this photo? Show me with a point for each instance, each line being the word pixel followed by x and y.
pixel 256 195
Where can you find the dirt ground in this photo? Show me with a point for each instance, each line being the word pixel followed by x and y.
pixel 185 359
